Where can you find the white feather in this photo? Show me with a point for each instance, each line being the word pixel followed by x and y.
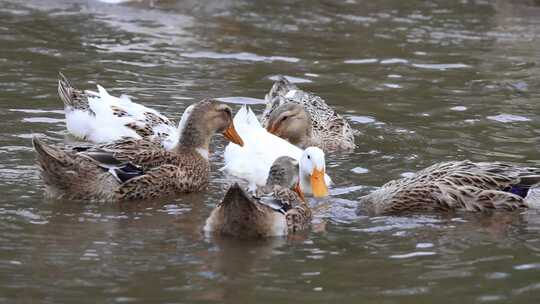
pixel 279 225
pixel 252 162
pixel 533 197
pixel 104 126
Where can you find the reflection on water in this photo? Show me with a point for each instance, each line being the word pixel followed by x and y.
pixel 421 82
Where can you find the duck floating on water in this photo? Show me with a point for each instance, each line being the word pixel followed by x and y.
pixel 331 131
pixel 457 185
pixel 138 169
pixel 252 161
pixel 99 117
pixel 279 211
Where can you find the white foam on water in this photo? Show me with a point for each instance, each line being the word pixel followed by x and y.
pixel 361 61
pixel 362 119
pixel 394 61
pixel 291 79
pixel 43 120
pixel 241 100
pixel 244 56
pixel 508 118
pixel 392 85
pixel 359 170
pixel 412 254
pixel 459 108
pixel 441 66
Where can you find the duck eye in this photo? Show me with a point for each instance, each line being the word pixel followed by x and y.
pixel 284 117
pixel 308 157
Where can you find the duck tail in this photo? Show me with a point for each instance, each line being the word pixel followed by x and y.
pixel 46 154
pixel 274 97
pixel 240 214
pixel 71 97
pixel 237 199
pixel 54 165
pixel 245 117
pixel 526 182
pixel 280 88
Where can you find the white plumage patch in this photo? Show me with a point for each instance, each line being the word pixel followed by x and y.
pixel 291 94
pixel 533 197
pixel 252 162
pixel 279 225
pixel 105 126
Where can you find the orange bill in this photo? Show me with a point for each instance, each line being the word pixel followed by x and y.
pixel 318 184
pixel 299 192
pixel 233 136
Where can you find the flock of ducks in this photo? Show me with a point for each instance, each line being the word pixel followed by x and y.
pixel 136 153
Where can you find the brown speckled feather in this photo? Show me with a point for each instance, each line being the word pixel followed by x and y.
pixel 137 168
pixel 151 124
pixel 331 131
pixel 75 175
pixel 72 98
pixel 243 215
pixel 449 186
pixel 166 180
pixel 62 172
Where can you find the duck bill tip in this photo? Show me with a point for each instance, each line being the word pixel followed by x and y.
pixel 318 185
pixel 231 135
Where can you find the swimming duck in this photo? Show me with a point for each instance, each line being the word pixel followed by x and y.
pixel 138 169
pixel 252 161
pixel 99 117
pixel 456 185
pixel 330 130
pixel 281 209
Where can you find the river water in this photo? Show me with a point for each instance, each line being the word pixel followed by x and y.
pixel 421 81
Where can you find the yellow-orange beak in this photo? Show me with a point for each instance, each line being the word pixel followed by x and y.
pixel 318 185
pixel 299 192
pixel 231 134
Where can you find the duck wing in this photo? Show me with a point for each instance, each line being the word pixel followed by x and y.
pixel 451 186
pixel 101 118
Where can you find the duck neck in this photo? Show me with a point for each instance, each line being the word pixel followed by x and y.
pixel 303 139
pixel 193 138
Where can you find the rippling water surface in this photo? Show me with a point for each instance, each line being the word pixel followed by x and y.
pixel 422 82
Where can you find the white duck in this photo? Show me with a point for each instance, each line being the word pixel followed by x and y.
pixel 252 162
pixel 102 118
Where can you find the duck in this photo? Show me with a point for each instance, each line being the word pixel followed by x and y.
pixel 279 210
pixel 331 131
pixel 137 169
pixel 253 160
pixel 455 186
pixel 99 117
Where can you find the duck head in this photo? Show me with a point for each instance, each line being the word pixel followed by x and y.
pixel 285 173
pixel 202 120
pixel 292 122
pixel 312 172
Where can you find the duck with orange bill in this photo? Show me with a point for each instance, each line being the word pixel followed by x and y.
pixel 278 209
pixel 252 161
pixel 138 169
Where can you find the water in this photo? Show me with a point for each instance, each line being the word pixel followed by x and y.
pixel 422 82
